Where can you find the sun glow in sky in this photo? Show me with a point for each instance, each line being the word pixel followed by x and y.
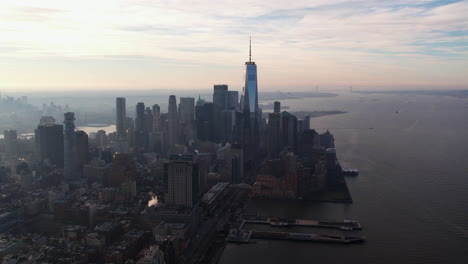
pixel 143 44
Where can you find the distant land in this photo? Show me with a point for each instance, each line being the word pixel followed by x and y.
pixel 312 114
pixel 269 96
pixel 454 93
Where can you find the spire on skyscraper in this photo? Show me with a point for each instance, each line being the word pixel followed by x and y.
pixel 250 48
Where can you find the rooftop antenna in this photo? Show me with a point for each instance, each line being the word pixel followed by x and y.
pixel 250 48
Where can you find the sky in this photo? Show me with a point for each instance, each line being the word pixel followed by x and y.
pixel 297 45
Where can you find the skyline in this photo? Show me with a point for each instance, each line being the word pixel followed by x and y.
pixel 186 46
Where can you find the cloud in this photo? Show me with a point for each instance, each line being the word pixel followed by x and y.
pixel 345 36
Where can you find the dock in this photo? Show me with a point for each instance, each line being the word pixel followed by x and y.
pixel 346 225
pixel 239 236
pixel 308 237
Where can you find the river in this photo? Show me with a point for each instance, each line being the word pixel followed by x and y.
pixel 411 194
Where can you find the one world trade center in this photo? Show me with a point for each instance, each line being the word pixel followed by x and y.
pixel 250 107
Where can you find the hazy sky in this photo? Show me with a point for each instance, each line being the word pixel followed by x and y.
pixel 122 44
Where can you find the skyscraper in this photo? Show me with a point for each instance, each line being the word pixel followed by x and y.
pixel 157 136
pixel 221 96
pixel 289 131
pixel 181 176
pixel 186 119
pixel 69 145
pixel 140 117
pixel 274 135
pixel 141 136
pixel 11 142
pixel 208 122
pixel 277 107
pixel 156 118
pixel 121 118
pixel 148 120
pixel 173 122
pixel 306 122
pixel 233 100
pixel 49 144
pixel 250 110
pixel 251 90
pixel 82 149
pixel 101 139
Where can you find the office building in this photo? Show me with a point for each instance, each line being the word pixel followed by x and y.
pixel 121 118
pixel 289 131
pixel 208 122
pixel 47 120
pixel 101 139
pixel 82 149
pixel 277 107
pixel 182 182
pixel 306 122
pixel 233 100
pixel 11 142
pixel 156 137
pixel 173 121
pixel 250 111
pixel 186 119
pixel 156 118
pixel 148 120
pixel 221 96
pixel 274 135
pixel 140 117
pixel 49 144
pixel 69 153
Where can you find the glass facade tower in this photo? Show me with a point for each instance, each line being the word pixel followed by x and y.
pixel 250 108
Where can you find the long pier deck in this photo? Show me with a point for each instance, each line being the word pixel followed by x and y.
pixel 308 237
pixel 346 225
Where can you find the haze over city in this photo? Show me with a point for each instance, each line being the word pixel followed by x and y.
pixel 227 132
pixel 116 44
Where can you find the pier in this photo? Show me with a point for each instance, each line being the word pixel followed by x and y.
pixel 308 237
pixel 346 225
pixel 242 236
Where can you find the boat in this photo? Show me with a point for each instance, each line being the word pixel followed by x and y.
pixel 350 172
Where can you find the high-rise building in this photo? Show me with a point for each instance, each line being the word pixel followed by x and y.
pixel 187 109
pixel 250 110
pixel 156 118
pixel 209 126
pixel 82 149
pixel 11 142
pixel 47 120
pixel 289 131
pixel 101 139
pixel 221 96
pixel 69 145
pixel 186 119
pixel 157 136
pixel 148 119
pixel 277 107
pixel 306 122
pixel 141 135
pixel 173 122
pixel 121 118
pixel 233 100
pixel 140 117
pixel 49 144
pixel 181 177
pixel 274 135
pixel 227 124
